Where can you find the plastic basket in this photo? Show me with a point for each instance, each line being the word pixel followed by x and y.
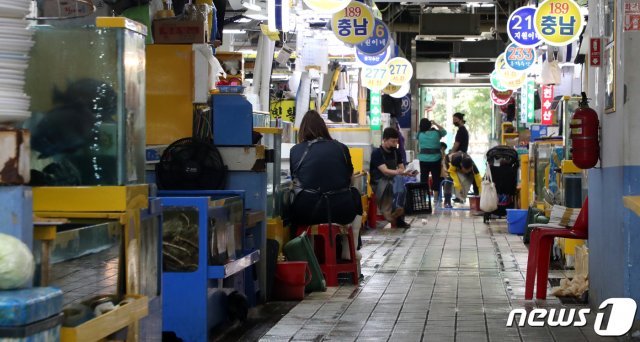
pixel 418 200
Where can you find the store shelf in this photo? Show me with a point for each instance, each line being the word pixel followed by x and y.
pixel 632 203
pixel 109 323
pixel 233 267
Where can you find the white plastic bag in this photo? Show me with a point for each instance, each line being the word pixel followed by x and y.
pixel 488 193
pixel 550 73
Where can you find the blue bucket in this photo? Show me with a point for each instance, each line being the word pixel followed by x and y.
pixel 517 221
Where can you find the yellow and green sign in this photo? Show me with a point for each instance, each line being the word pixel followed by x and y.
pixel 354 24
pixel 327 6
pixel 375 78
pixel 558 22
pixel 400 71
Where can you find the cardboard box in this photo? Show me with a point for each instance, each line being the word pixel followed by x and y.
pixel 173 31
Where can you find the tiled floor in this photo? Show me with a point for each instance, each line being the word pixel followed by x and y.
pixel 449 277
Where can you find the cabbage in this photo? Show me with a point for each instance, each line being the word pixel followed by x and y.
pixel 16 263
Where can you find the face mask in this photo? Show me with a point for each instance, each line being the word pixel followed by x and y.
pixel 457 124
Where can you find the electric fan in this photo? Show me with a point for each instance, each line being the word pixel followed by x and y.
pixel 191 164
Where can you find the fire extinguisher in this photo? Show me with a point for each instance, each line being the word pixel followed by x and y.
pixel 585 146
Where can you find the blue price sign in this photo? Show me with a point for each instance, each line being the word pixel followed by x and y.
pixel 521 27
pixel 372 60
pixel 377 43
pixel 520 58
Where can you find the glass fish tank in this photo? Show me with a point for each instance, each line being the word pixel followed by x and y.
pixel 87 88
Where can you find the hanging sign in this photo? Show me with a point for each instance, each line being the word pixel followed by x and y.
pixel 530 84
pixel 327 6
pixel 375 110
pixel 400 71
pixel 354 24
pixel 378 43
pixel 631 16
pixel 279 15
pixel 509 78
pixel 500 98
pixel 405 109
pixel 375 78
pixel 402 92
pixel 595 52
pixel 520 58
pixel 520 27
pixel 391 89
pixel 524 97
pixel 372 60
pixel 515 83
pixel 495 82
pixel 546 102
pixel 558 22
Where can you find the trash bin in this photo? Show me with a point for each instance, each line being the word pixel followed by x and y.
pixel 517 221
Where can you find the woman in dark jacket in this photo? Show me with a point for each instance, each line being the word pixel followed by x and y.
pixel 321 169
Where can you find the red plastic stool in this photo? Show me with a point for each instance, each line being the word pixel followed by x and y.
pixel 542 237
pixel 327 245
pixel 372 216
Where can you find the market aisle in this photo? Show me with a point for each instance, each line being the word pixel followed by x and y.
pixel 453 278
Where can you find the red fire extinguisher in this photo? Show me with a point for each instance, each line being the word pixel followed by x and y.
pixel 585 147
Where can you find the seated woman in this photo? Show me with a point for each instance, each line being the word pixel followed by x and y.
pixel 464 174
pixel 321 169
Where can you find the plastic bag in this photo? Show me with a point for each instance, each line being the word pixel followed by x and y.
pixel 550 73
pixel 488 193
pixel 16 263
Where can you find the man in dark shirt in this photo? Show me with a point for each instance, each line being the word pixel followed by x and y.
pixel 462 137
pixel 386 169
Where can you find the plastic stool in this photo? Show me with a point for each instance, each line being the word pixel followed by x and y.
pixel 329 263
pixel 542 237
pixel 372 216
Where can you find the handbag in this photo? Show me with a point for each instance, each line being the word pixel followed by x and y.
pixel 550 73
pixel 488 193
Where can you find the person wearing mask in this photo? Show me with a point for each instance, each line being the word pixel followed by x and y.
pixel 464 174
pixel 430 155
pixel 462 137
pixel 387 170
pixel 321 169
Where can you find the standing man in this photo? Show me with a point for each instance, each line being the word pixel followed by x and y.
pixel 387 171
pixel 462 137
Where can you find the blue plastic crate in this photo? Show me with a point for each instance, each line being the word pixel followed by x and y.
pixel 231 89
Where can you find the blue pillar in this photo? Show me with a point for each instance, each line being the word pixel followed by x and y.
pixel 16 214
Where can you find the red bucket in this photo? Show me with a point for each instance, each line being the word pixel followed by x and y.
pixel 291 279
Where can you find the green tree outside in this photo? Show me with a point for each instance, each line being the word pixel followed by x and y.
pixel 440 103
